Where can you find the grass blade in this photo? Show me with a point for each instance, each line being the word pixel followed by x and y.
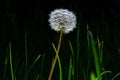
pixel 11 67
pixel 42 66
pixel 88 53
pixel 70 69
pixel 92 76
pixel 32 66
pixel 60 68
pixel 115 76
pixel 73 63
pixel 34 62
pixel 102 74
pixel 78 51
pixel 96 60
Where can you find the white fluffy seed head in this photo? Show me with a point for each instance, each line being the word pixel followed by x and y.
pixel 62 20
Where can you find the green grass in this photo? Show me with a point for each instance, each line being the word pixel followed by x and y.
pixel 32 66
pixel 95 54
pixel 78 52
pixel 11 65
pixel 102 74
pixel 70 69
pixel 60 67
pixel 71 64
pixel 116 76
pixel 28 69
pixel 94 50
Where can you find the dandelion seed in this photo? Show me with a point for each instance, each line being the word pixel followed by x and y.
pixel 62 20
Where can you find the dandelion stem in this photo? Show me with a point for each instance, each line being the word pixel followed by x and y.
pixel 55 59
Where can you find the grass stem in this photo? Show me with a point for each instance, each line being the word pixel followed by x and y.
pixel 55 59
pixel 11 67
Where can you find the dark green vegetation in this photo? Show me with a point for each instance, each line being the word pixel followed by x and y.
pixel 26 49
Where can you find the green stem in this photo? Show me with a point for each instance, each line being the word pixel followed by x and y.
pixel 11 67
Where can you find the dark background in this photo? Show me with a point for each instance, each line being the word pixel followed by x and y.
pixel 18 17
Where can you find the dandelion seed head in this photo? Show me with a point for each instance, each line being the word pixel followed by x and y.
pixel 62 20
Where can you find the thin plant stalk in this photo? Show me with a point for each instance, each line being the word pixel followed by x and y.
pixel 73 61
pixel 102 74
pixel 11 67
pixel 38 57
pixel 78 51
pixel 55 59
pixel 59 63
pixel 70 69
pixel 96 59
pixel 115 76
